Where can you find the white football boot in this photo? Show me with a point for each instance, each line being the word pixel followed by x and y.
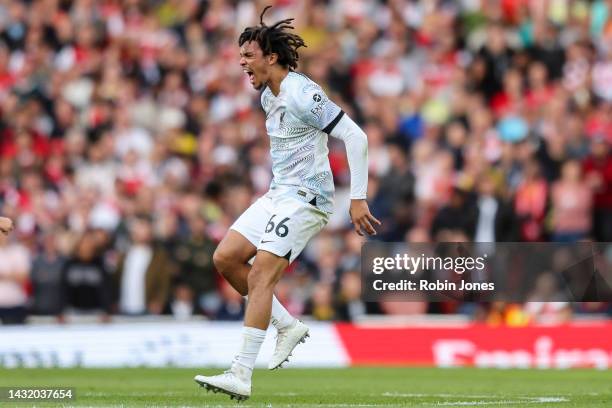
pixel 286 340
pixel 235 382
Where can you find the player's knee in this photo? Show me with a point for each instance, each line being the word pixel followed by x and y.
pixel 259 278
pixel 223 261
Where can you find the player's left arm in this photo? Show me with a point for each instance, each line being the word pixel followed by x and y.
pixel 315 108
pixel 356 143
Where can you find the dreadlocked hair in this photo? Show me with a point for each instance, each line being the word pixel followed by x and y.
pixel 275 39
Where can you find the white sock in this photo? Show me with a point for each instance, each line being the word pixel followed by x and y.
pixel 252 340
pixel 280 317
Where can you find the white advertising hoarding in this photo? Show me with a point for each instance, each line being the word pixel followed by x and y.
pixel 172 344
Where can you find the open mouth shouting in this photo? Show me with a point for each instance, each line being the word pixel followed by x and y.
pixel 251 75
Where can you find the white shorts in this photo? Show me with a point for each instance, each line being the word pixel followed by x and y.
pixel 281 223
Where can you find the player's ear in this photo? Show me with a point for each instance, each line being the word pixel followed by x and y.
pixel 272 58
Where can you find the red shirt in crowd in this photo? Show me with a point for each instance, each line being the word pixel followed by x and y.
pixel 602 168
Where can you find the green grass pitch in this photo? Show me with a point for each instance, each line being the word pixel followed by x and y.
pixel 342 388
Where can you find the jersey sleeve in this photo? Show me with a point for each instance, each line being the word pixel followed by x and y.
pixel 356 143
pixel 312 106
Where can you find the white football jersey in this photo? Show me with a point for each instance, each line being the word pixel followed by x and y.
pixel 298 121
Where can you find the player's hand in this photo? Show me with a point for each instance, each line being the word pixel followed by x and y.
pixel 361 218
pixel 6 225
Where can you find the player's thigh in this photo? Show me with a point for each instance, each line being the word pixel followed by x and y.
pixel 250 226
pixel 290 227
pixel 235 247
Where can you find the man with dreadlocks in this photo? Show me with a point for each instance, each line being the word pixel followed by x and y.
pixel 275 229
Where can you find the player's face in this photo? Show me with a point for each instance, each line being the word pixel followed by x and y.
pixel 255 64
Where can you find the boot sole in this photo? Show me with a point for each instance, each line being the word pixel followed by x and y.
pixel 215 389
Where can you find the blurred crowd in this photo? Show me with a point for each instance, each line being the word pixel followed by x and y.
pixel 130 140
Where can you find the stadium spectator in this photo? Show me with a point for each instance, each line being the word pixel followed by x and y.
pixel 457 217
pixel 571 205
pixel 144 273
pixel 182 305
pixel 14 274
pixel 231 306
pixel 598 172
pixel 86 282
pixel 195 267
pixel 349 306
pixel 321 305
pixel 46 277
pixel 530 203
pixel 495 220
